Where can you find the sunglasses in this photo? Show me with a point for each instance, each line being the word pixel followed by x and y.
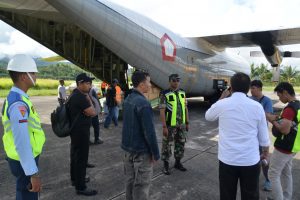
pixel 175 80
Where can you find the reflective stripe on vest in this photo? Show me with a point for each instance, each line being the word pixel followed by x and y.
pixel 172 106
pixel 35 131
pixel 296 147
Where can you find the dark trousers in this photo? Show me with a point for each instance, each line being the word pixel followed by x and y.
pixel 79 157
pixel 60 101
pixel 22 181
pixel 96 126
pixel 248 176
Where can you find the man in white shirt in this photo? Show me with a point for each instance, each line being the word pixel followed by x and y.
pixel 62 95
pixel 242 129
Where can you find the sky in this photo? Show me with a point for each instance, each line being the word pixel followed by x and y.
pixel 190 18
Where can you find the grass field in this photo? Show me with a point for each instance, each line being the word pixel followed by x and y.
pixel 6 83
pixel 48 87
pixel 44 87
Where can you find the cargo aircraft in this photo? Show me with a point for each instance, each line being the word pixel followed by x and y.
pixel 73 29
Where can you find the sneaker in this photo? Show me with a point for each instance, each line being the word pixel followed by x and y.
pixel 267 186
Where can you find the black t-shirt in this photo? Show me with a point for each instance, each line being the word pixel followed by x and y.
pixel 77 104
pixel 110 97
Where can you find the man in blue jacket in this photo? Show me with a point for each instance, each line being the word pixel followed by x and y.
pixel 139 139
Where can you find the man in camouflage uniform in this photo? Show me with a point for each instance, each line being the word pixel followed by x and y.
pixel 174 117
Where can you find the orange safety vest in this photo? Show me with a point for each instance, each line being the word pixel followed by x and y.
pixel 118 94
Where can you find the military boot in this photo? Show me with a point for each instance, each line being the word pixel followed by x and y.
pixel 179 166
pixel 166 169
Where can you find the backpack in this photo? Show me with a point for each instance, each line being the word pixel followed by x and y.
pixel 60 120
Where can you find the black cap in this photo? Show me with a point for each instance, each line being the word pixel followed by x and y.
pixel 174 77
pixel 80 78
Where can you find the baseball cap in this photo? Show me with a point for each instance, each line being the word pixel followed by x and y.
pixel 174 77
pixel 83 77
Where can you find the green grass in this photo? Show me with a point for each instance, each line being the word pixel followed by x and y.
pixel 271 88
pixel 6 83
pixel 33 92
pixel 44 87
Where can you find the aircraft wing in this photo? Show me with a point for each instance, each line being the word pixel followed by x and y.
pixel 268 41
pixel 276 37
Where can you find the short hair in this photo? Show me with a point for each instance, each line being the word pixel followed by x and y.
pixel 256 83
pixel 285 86
pixel 138 77
pixel 15 75
pixel 240 82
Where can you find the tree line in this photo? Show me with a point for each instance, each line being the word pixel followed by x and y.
pixel 66 71
pixel 287 73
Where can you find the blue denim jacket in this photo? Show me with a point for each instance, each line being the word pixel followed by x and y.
pixel 138 134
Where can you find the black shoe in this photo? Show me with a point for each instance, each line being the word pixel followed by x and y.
pixel 166 169
pixel 87 192
pixel 86 180
pixel 179 166
pixel 89 165
pixel 98 141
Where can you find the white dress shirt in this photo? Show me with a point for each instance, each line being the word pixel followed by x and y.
pixel 242 129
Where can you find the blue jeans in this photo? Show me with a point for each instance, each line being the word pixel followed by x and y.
pixel 117 112
pixel 111 116
pixel 22 181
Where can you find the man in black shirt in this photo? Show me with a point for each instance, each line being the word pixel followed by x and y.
pixel 81 112
pixel 111 104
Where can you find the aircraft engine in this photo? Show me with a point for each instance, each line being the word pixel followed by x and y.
pixel 273 56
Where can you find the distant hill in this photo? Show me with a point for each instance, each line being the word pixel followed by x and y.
pixel 39 62
pixel 52 70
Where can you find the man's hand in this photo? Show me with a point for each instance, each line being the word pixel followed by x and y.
pixel 187 127
pixel 153 161
pixel 165 131
pixel 36 184
pixel 225 93
pixel 265 153
pixel 271 117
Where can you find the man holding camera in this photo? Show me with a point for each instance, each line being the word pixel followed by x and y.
pixel 242 129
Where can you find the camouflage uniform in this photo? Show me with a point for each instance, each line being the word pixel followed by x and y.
pixel 176 134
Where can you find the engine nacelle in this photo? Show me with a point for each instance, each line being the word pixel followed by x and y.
pixel 274 59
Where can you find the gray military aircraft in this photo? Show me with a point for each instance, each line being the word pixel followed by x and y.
pixel 73 28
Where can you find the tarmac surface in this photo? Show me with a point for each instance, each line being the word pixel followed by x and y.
pixel 200 182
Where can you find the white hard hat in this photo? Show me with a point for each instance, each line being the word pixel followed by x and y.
pixel 22 63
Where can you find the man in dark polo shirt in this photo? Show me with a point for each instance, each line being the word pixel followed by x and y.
pixel 81 112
